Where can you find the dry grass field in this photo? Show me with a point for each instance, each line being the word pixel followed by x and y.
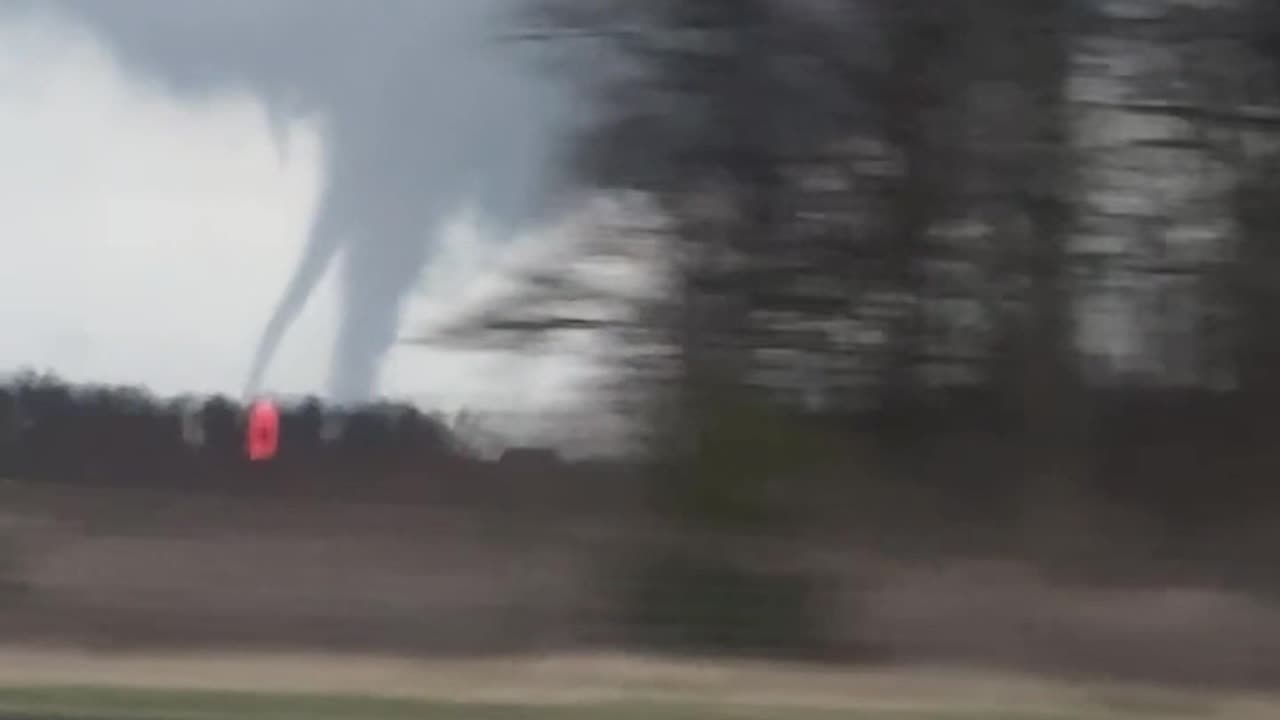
pixel 146 606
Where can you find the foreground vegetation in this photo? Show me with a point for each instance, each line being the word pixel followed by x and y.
pixel 88 703
pixel 280 688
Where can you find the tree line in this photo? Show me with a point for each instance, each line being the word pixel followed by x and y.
pixel 105 437
pixel 1012 263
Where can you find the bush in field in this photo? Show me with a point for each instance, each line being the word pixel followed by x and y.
pixel 691 600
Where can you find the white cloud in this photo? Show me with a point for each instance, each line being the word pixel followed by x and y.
pixel 144 240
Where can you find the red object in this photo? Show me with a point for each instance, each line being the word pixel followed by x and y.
pixel 263 434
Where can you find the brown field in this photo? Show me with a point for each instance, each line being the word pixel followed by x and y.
pixel 167 590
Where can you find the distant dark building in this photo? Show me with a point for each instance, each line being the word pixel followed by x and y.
pixel 530 458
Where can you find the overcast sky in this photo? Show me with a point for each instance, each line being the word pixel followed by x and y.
pixel 128 208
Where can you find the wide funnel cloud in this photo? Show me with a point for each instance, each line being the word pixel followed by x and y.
pixel 426 112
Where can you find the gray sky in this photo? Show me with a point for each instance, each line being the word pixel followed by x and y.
pixel 166 161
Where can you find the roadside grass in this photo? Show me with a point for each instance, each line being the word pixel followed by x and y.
pixel 107 703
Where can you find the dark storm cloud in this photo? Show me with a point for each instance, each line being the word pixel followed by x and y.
pixel 425 111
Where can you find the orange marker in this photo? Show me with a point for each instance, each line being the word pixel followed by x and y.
pixel 262 436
